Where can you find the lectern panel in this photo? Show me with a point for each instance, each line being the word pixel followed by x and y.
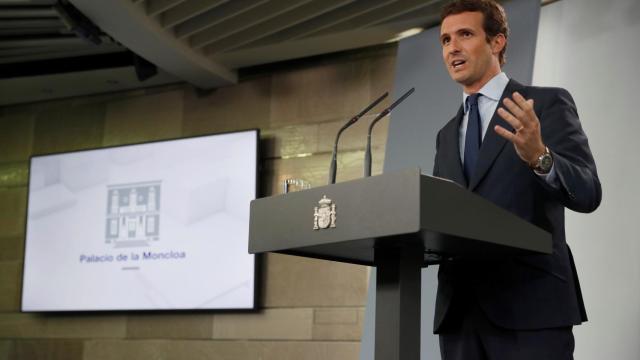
pixel 373 207
pixel 348 221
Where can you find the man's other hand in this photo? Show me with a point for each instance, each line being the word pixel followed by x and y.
pixel 527 138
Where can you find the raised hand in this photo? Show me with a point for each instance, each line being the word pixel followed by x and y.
pixel 527 138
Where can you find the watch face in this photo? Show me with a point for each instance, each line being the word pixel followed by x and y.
pixel 546 162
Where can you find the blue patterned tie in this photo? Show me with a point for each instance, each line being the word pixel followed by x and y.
pixel 473 137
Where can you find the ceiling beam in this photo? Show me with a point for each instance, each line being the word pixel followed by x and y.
pixel 28 12
pixel 376 16
pixel 333 17
pixel 243 21
pixel 429 16
pixel 213 17
pixel 31 24
pixel 187 10
pixel 274 25
pixel 312 46
pixel 154 7
pixel 37 49
pixel 34 32
pixel 50 53
pixel 42 41
pixel 128 24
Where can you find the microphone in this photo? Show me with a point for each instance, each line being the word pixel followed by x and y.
pixel 334 160
pixel 385 112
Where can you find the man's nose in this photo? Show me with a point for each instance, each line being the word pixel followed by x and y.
pixel 454 45
pixel 453 49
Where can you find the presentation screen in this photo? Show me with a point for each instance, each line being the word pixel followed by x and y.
pixel 155 226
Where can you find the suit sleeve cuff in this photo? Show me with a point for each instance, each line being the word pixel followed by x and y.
pixel 551 178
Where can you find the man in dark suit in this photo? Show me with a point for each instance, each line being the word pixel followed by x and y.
pixel 522 148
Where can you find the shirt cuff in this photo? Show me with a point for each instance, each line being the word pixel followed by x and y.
pixel 550 178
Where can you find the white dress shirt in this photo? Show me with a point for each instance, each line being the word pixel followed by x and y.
pixel 487 105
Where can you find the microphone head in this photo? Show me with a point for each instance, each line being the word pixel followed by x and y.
pixel 365 110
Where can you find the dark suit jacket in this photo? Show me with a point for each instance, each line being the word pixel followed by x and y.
pixel 533 291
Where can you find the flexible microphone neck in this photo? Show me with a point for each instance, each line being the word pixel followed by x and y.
pixel 385 112
pixel 334 155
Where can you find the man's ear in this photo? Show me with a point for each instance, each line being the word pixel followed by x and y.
pixel 498 43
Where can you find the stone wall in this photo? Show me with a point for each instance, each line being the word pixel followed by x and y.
pixel 310 309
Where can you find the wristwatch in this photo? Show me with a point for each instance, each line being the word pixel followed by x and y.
pixel 544 163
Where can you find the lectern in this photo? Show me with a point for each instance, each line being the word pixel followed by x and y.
pixel 398 222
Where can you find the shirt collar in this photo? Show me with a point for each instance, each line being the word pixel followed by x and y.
pixel 493 89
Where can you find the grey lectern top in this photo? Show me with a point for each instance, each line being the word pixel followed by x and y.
pixel 398 222
pixel 387 210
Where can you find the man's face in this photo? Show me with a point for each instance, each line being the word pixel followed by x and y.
pixel 469 58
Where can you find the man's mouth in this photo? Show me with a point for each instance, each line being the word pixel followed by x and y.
pixel 457 63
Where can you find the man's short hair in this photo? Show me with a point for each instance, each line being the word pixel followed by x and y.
pixel 495 19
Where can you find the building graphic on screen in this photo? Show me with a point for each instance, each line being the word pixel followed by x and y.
pixel 133 214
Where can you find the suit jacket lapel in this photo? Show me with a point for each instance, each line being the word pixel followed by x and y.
pixel 492 143
pixel 451 143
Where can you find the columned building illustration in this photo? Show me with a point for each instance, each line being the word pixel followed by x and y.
pixel 133 213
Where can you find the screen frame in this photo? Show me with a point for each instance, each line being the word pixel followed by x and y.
pixel 257 258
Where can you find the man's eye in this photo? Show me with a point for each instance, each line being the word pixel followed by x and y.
pixel 466 34
pixel 445 41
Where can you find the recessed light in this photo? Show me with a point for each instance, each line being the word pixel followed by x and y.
pixel 405 34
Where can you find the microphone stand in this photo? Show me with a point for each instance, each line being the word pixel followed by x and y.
pixel 385 112
pixel 334 156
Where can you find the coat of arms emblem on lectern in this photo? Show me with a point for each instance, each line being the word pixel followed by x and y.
pixel 324 216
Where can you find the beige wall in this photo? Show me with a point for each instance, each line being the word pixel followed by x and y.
pixel 310 309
